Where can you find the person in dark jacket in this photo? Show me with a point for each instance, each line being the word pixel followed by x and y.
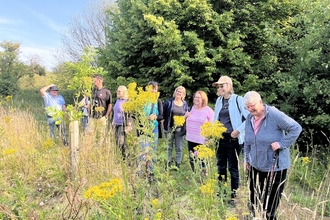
pixel 175 106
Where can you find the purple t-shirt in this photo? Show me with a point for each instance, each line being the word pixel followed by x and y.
pixel 194 122
pixel 118 112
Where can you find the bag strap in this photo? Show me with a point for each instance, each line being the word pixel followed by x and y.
pixel 238 105
pixel 243 118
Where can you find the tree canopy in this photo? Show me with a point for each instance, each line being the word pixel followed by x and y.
pixel 12 69
pixel 278 48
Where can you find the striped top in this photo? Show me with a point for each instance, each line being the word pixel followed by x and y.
pixel 194 122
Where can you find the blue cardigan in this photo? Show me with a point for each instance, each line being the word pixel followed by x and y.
pixel 274 127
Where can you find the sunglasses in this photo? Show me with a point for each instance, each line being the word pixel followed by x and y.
pixel 221 86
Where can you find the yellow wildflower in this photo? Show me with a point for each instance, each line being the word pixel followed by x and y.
pixel 8 151
pixel 179 120
pixel 48 144
pixel 138 98
pixel 7 119
pixel 154 202
pixel 306 160
pixel 104 190
pixel 232 218
pixel 204 152
pixel 208 187
pixel 158 216
pixel 8 98
pixel 211 130
pixel 99 109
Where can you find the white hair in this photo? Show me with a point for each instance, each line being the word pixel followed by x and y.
pixel 251 97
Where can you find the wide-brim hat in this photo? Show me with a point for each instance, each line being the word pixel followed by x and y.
pixel 223 80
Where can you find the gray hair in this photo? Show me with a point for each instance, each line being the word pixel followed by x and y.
pixel 251 97
pixel 125 92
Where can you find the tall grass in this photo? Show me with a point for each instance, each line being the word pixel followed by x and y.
pixel 36 181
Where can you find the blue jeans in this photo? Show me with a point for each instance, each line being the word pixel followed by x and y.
pixel 176 139
pixel 84 121
pixel 146 143
pixel 51 124
pixel 227 153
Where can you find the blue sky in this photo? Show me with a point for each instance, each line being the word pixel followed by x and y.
pixel 37 25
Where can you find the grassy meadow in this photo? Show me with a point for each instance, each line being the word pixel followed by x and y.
pixel 37 181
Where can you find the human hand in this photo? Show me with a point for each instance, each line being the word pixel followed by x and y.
pixel 152 117
pixel 247 166
pixel 128 129
pixel 275 146
pixel 234 134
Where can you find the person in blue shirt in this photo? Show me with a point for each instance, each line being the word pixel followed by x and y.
pixel 52 99
pixel 230 111
pixel 154 113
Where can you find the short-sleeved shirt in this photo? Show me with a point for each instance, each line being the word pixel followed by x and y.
pixel 118 112
pixel 100 98
pixel 51 101
pixel 194 122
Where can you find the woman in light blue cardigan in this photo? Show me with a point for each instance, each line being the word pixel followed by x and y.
pixel 229 110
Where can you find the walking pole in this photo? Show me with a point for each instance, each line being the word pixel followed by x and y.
pixel 271 178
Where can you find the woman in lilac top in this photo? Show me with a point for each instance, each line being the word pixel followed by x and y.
pixel 121 120
pixel 199 114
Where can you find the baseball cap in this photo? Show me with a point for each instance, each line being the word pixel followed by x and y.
pixel 53 88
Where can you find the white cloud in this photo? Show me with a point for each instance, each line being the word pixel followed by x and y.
pixel 48 22
pixel 44 53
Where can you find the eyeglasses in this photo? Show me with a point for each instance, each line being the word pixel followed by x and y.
pixel 221 86
pixel 250 106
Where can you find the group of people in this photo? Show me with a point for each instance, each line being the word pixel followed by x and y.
pixel 95 111
pixel 264 132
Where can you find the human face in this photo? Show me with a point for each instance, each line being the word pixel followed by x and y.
pixel 154 88
pixel 223 89
pixel 179 93
pixel 98 82
pixel 54 93
pixel 198 100
pixel 120 92
pixel 256 108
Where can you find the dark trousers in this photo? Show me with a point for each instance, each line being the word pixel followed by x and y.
pixel 192 158
pixel 120 136
pixel 227 153
pixel 259 182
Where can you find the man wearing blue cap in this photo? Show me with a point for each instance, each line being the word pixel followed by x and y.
pixel 55 101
